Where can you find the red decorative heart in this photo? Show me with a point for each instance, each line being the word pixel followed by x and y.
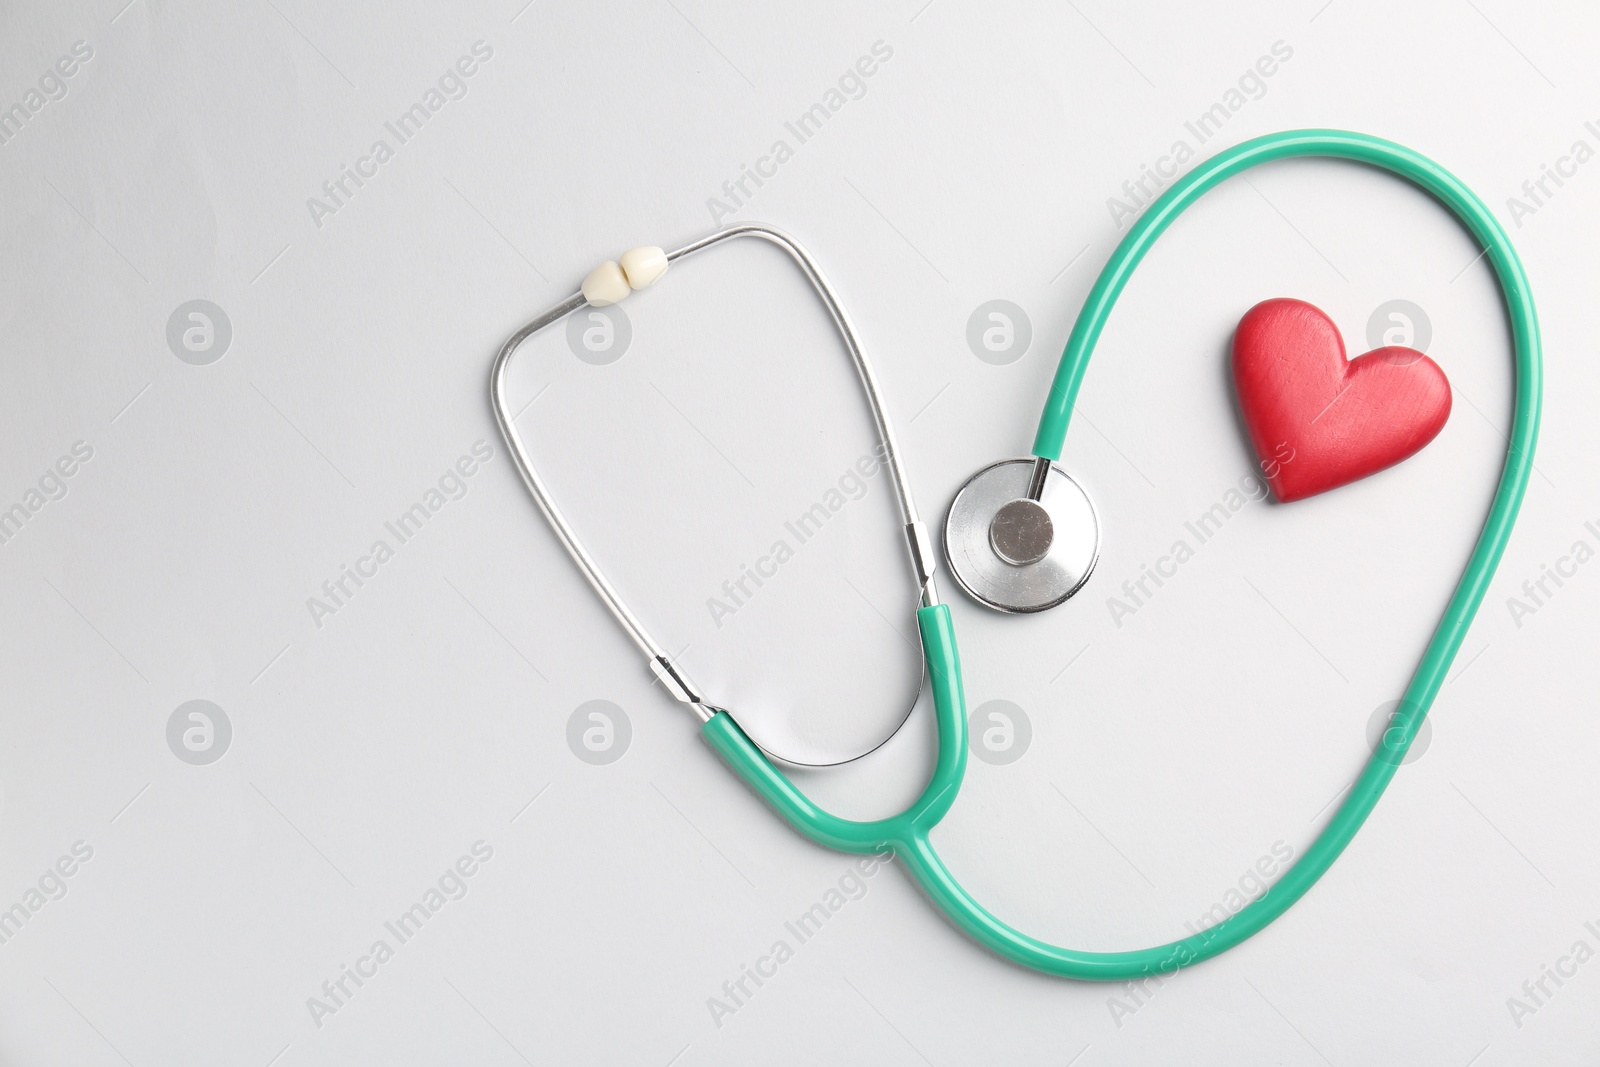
pixel 1319 421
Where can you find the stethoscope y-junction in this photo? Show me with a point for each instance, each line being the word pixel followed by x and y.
pixel 1022 536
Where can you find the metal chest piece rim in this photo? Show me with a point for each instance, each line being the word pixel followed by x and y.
pixel 1021 536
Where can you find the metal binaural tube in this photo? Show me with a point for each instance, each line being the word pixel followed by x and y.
pixel 919 548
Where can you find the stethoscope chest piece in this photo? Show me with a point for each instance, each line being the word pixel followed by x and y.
pixel 1021 536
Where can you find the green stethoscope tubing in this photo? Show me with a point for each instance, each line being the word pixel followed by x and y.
pixel 907 834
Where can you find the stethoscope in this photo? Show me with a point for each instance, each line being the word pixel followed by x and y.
pixel 1022 536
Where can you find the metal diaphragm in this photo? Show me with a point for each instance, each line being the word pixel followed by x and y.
pixel 1015 554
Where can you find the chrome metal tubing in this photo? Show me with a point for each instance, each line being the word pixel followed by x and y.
pixel 668 673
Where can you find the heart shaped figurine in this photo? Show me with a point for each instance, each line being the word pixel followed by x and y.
pixel 1317 420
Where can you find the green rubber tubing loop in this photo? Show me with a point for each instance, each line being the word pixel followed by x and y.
pixel 907 834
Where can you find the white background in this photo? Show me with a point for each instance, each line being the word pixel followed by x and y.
pixel 368 753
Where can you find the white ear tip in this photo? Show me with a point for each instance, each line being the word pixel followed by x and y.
pixel 606 284
pixel 644 266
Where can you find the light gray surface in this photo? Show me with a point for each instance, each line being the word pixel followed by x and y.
pixel 1168 754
